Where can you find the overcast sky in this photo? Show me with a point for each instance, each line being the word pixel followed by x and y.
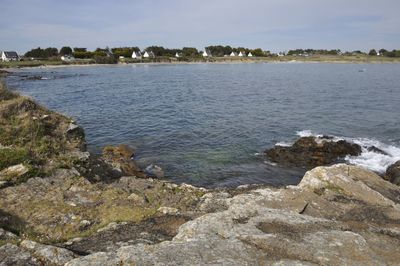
pixel 275 25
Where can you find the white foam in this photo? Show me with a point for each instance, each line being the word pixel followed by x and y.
pixel 284 144
pixel 307 133
pixel 369 159
pixel 374 160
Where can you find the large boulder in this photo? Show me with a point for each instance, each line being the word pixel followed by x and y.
pixel 393 173
pixel 309 152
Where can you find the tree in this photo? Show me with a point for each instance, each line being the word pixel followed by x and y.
pixel 372 52
pixel 257 52
pixel 383 52
pixel 124 51
pixel 190 52
pixel 80 50
pixel 42 53
pixel 66 50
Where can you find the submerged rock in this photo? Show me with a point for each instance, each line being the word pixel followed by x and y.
pixel 121 159
pixel 309 152
pixel 393 173
pixel 155 171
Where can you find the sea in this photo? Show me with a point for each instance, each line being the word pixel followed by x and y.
pixel 209 124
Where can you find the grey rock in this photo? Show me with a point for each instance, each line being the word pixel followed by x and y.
pixel 12 255
pixel 5 235
pixel 330 218
pixel 49 254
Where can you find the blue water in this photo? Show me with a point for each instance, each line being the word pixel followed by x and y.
pixel 205 123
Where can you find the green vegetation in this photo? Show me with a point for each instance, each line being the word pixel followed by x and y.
pixel 9 157
pixel 66 50
pixel 42 53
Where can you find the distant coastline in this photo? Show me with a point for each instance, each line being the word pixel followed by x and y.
pixel 212 60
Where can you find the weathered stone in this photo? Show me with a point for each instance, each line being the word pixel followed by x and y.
pixel 5 235
pixel 13 172
pixel 49 254
pixel 168 210
pixel 310 152
pixel 393 173
pixel 331 218
pixel 13 255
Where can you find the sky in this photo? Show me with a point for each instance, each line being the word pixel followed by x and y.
pixel 275 25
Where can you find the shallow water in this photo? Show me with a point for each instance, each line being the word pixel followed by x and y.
pixel 207 124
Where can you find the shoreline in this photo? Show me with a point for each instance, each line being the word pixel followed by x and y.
pixel 217 61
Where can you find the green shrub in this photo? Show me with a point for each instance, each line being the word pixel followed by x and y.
pixel 9 157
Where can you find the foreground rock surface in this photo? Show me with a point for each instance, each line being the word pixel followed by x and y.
pixel 338 215
pixel 310 152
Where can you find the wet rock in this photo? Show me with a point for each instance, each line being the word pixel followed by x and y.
pixel 376 150
pixel 121 159
pixel 393 173
pixel 155 171
pixel 310 152
pixel 37 77
pixel 49 254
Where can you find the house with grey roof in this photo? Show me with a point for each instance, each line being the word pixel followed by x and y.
pixel 136 55
pixel 148 54
pixel 9 56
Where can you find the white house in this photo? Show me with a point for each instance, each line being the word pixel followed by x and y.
pixel 67 58
pixel 250 54
pixel 233 54
pixel 136 55
pixel 9 56
pixel 148 54
pixel 177 55
pixel 241 54
pixel 206 53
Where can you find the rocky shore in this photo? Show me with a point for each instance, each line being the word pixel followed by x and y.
pixel 61 205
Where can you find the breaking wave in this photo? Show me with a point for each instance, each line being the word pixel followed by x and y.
pixel 376 155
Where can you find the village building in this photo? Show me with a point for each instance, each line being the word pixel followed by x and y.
pixel 67 58
pixel 148 54
pixel 136 55
pixel 206 53
pixel 250 54
pixel 242 54
pixel 233 54
pixel 9 56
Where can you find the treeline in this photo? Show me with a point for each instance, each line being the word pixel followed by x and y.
pixel 314 52
pixel 112 55
pixel 372 52
pixel 220 50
